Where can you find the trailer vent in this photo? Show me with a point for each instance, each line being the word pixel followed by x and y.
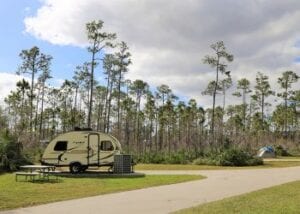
pixel 122 164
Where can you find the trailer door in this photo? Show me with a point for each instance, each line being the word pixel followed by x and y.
pixel 107 150
pixel 93 149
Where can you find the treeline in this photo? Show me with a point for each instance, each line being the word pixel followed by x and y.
pixel 144 120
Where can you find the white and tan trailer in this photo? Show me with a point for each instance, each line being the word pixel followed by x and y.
pixel 81 149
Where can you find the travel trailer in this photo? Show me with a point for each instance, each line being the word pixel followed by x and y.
pixel 80 149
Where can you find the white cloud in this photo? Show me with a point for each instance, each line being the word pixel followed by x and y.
pixel 169 38
pixel 8 83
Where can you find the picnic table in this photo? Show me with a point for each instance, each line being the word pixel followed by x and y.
pixel 41 172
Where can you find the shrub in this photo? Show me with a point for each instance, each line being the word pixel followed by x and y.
pixel 279 150
pixel 237 157
pixel 11 156
pixel 205 161
pixel 150 158
pixel 180 157
pixel 230 157
pixel 176 158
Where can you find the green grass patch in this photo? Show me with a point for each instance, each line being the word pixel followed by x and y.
pixel 286 158
pixel 280 164
pixel 276 200
pixel 175 167
pixel 269 164
pixel 21 194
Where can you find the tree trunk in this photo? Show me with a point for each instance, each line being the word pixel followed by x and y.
pixel 92 88
pixel 41 132
pixel 286 108
pixel 262 111
pixel 214 102
pixel 74 112
pixel 119 98
pixel 31 99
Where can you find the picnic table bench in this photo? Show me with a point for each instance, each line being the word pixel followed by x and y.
pixel 35 172
pixel 31 175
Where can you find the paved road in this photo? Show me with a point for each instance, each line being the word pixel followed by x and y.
pixel 164 199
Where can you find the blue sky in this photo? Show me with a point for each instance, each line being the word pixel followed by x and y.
pixel 13 39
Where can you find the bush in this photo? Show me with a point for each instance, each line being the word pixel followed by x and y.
pixel 177 158
pixel 205 161
pixel 230 157
pixel 279 150
pixel 180 157
pixel 33 154
pixel 150 158
pixel 237 157
pixel 11 156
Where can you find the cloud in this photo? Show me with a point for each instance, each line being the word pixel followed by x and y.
pixel 8 83
pixel 168 38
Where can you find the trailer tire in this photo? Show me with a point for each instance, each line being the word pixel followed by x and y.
pixel 75 167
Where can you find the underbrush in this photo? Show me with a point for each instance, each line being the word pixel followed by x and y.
pixel 223 157
pixel 181 157
pixel 281 151
pixel 229 157
pixel 11 155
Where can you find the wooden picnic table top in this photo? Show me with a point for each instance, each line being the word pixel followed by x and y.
pixel 36 166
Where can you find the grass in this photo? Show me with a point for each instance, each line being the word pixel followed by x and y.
pixel 288 157
pixel 22 194
pixel 275 200
pixel 174 167
pixel 267 164
pixel 280 164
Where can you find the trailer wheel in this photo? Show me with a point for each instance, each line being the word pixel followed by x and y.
pixel 75 168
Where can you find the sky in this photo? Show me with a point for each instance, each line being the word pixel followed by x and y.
pixel 167 39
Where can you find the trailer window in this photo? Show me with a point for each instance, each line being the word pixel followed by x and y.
pixel 61 146
pixel 106 146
